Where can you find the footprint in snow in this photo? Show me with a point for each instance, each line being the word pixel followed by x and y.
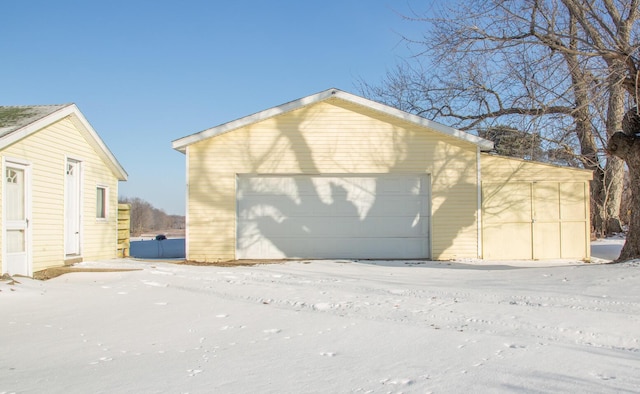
pixel 401 382
pixel 221 316
pixel 328 354
pixel 154 284
pixel 603 376
pixel 272 331
pixel 101 359
pixel 322 306
pixel 194 372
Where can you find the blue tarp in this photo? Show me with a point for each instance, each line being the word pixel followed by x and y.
pixel 152 249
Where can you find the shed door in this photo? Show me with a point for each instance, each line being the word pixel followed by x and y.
pixel 338 216
pixel 72 208
pixel 535 220
pixel 16 229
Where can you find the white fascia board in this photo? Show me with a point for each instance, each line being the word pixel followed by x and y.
pixel 484 144
pixel 182 143
pixel 98 144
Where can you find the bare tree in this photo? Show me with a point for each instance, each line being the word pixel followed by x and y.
pixel 545 66
pixel 145 217
pixel 610 34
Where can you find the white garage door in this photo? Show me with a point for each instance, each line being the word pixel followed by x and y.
pixel 378 216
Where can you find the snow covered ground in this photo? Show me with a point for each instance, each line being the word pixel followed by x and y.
pixel 325 327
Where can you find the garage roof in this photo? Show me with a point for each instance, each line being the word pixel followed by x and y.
pixel 182 143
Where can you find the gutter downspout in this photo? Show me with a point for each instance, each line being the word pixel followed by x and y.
pixel 479 210
pixel 187 217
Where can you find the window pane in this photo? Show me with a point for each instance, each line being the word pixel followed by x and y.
pixel 101 208
pixel 15 241
pixel 15 194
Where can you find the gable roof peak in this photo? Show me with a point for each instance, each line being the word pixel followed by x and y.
pixel 182 143
pixel 18 122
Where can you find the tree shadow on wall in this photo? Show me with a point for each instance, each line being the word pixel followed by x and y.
pixel 341 214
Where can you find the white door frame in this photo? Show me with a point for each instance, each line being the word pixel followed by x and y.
pixel 73 208
pixel 27 268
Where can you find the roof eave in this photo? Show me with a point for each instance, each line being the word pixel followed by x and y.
pixel 102 148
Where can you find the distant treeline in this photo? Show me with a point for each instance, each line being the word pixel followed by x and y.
pixel 146 218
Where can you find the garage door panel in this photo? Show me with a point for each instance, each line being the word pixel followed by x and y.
pixel 546 201
pixel 507 202
pixel 332 248
pixel 508 241
pixel 573 246
pixel 573 201
pixel 323 227
pixel 369 216
pixel 546 238
pixel 282 206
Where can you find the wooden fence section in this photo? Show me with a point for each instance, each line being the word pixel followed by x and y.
pixel 124 232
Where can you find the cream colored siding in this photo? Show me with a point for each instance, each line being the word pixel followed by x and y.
pixel 500 168
pixel 330 137
pixel 47 151
pixel 533 210
pixel 2 268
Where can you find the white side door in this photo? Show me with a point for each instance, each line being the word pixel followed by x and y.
pixel 16 220
pixel 72 208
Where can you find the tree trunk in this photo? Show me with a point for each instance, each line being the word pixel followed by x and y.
pixel 626 145
pixel 614 182
pixel 614 169
pixel 580 83
pixel 631 248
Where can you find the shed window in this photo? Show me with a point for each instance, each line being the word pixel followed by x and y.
pixel 101 202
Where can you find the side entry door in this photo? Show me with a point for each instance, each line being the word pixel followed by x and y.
pixel 16 214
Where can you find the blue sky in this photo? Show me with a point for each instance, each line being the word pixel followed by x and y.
pixel 145 73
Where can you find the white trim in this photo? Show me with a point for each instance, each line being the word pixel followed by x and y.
pixel 99 145
pixel 26 166
pixel 107 196
pixel 80 192
pixel 186 212
pixel 81 123
pixel 479 216
pixel 182 143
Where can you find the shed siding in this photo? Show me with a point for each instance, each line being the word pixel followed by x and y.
pixel 534 210
pixel 499 168
pixel 330 137
pixel 46 151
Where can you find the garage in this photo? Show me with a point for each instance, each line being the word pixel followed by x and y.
pixel 337 176
pixel 367 216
